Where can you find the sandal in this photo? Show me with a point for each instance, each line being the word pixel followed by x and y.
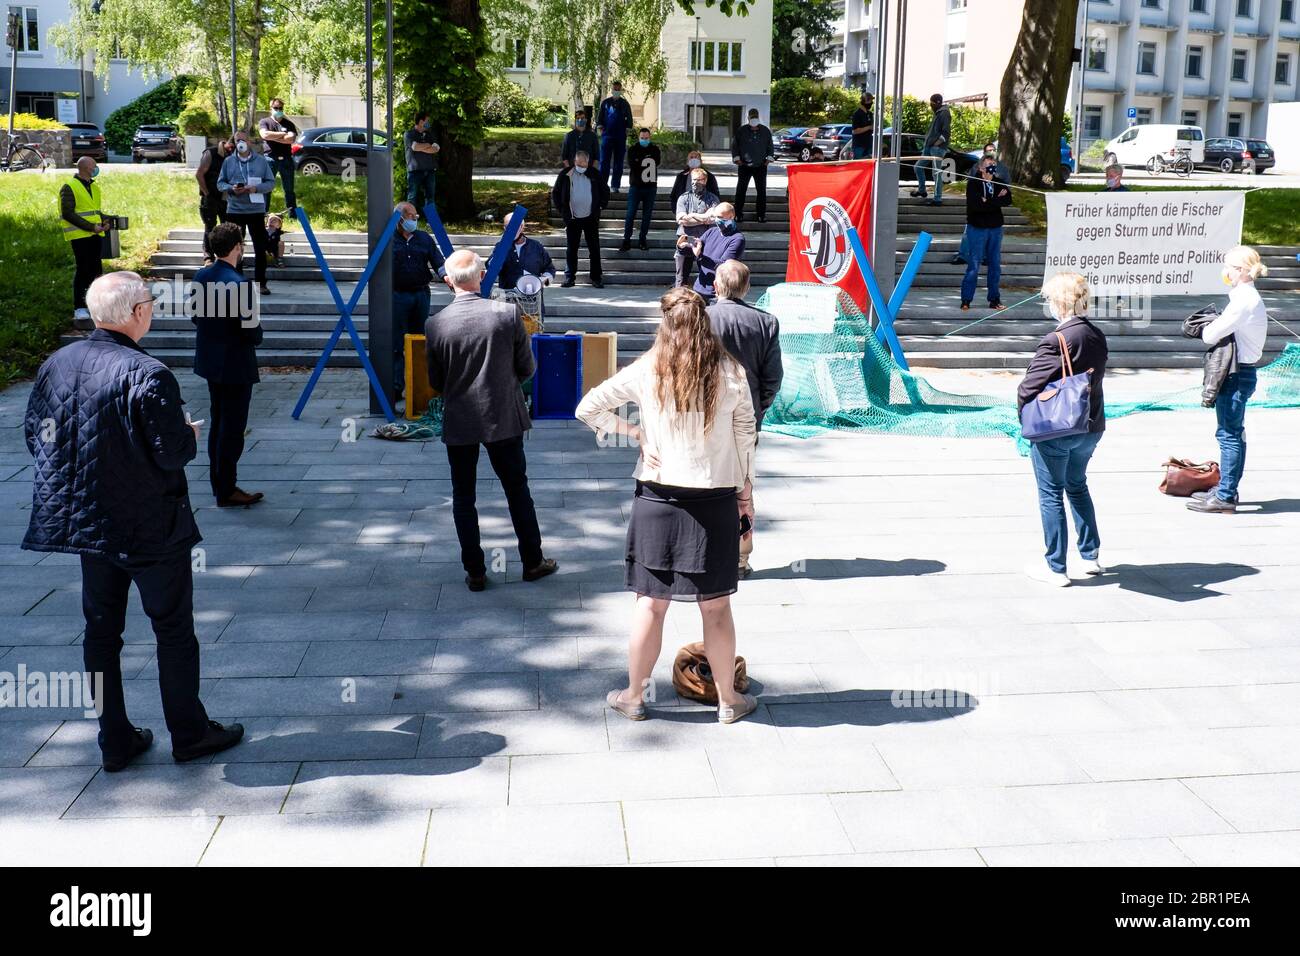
pixel 729 715
pixel 631 711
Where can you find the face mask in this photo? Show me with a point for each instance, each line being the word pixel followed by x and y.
pixel 617 94
pixel 94 173
pixel 580 166
pixel 1112 183
pixel 644 140
pixel 581 123
pixel 241 146
pixel 693 163
pixel 410 224
pixel 278 114
pixel 726 225
pixel 753 121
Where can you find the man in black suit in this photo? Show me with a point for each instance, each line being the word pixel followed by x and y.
pixel 225 353
pixel 479 354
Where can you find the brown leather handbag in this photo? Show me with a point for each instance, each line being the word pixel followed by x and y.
pixel 1182 477
pixel 693 679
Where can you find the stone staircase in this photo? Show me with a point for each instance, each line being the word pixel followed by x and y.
pixel 299 315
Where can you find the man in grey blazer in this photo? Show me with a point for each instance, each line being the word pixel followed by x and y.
pixel 479 354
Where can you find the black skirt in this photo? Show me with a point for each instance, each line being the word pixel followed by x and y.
pixel 683 544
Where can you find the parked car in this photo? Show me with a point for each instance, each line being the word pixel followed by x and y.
pixel 1232 154
pixel 88 140
pixel 913 144
pixel 157 141
pixel 794 141
pixel 1139 144
pixel 835 140
pixel 1067 161
pixel 333 149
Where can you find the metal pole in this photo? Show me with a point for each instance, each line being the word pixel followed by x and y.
pixel 699 62
pixel 379 208
pixel 881 8
pixel 1078 107
pixel 234 74
pixel 13 75
pixel 900 59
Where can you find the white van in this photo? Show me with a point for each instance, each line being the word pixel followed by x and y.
pixel 1137 144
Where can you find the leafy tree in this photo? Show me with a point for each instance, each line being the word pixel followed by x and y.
pixel 1034 89
pixel 801 30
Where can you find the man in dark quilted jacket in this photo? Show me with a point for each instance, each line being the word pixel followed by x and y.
pixel 106 426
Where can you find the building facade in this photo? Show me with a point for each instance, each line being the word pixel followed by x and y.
pixel 1217 64
pixel 719 67
pixel 46 77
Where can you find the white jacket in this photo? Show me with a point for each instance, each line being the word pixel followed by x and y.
pixel 1246 318
pixel 688 456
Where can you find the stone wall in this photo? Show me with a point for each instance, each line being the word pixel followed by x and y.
pixel 509 154
pixel 55 144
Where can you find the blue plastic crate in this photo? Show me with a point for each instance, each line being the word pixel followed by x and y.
pixel 557 383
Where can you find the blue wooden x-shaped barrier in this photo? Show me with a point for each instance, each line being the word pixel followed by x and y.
pixel 888 311
pixel 499 252
pixel 345 322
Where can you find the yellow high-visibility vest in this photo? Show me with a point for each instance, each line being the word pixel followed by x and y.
pixel 88 205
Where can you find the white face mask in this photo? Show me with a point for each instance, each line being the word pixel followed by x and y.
pixel 241 146
pixel 580 166
pixel 753 121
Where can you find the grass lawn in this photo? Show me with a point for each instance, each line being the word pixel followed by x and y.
pixel 1272 215
pixel 36 267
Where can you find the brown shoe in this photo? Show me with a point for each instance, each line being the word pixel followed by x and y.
pixel 476 582
pixel 547 566
pixel 240 499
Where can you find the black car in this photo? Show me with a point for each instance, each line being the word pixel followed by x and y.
pixel 912 145
pixel 88 140
pixel 157 141
pixel 333 150
pixel 1233 154
pixel 794 141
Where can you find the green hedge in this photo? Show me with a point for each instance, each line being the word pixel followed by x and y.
pixel 803 101
pixel 162 104
pixel 506 104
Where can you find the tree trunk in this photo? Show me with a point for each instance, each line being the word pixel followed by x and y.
pixel 1034 90
pixel 456 158
pixel 254 63
pixel 218 87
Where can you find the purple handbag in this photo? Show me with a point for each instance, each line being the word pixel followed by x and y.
pixel 1061 408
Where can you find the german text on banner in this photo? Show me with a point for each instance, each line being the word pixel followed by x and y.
pixel 1165 242
pixel 826 200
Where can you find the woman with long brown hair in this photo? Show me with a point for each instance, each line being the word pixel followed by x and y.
pixel 693 492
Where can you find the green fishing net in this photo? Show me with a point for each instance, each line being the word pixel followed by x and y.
pixel 839 376
pixel 425 428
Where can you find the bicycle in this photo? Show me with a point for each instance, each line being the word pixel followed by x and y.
pixel 1178 159
pixel 21 155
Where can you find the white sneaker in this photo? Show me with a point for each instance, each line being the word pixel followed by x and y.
pixel 1093 567
pixel 1045 575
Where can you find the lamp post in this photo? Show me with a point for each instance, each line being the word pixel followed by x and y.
pixel 234 74
pixel 379 209
pixel 699 61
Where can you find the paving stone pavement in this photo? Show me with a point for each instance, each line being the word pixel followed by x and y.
pixel 923 703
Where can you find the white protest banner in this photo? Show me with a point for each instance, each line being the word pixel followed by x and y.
pixel 1166 242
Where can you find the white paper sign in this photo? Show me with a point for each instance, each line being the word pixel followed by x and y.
pixel 1167 242
pixel 67 110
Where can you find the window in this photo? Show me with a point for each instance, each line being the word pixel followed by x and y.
pixel 1282 70
pixel 1243 8
pixel 29 31
pixel 1144 116
pixel 1097 54
pixel 1198 6
pixel 719 56
pixel 956 59
pixel 1191 118
pixel 1151 4
pixel 955 6
pixel 1287 12
pixel 1238 64
pixel 1235 122
pixel 1195 56
pixel 1147 58
pixel 1092 122
pixel 517 51
pixel 552 62
pixel 835 55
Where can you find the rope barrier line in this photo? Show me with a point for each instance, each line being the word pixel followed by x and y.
pixel 991 315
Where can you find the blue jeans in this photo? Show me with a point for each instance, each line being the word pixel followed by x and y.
pixel 982 245
pixel 1230 408
pixel 642 197
pixel 410 311
pixel 938 152
pixel 612 151
pixel 420 181
pixel 861 152
pixel 964 250
pixel 1061 466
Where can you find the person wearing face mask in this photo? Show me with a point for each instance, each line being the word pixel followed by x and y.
pixel 1246 320
pixel 695 216
pixel 526 256
pixel 1115 179
pixel 643 184
pixel 279 134
pixel 1061 464
pixel 613 120
pixel 936 146
pixel 752 149
pixel 416 260
pixel 720 242
pixel 80 209
pixel 986 195
pixel 212 205
pixel 227 333
pixel 1001 173
pixel 421 162
pixel 579 139
pixel 247 179
pixel 682 181
pixel 579 195
pixel 863 125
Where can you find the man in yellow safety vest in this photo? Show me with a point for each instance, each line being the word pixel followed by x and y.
pixel 80 215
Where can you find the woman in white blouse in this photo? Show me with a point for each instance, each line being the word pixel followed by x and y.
pixel 693 492
pixel 1246 320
